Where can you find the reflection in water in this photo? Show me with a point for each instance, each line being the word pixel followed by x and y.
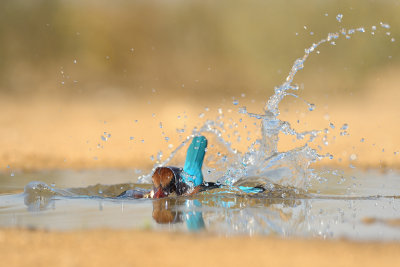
pixel 280 211
pixel 179 210
pixel 164 211
pixel 232 213
pixel 276 210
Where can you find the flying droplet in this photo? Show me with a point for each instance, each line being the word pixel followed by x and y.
pixel 243 110
pixel 384 25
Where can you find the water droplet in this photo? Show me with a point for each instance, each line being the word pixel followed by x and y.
pixel 207 109
pixel 235 102
pixel 201 115
pixel 166 138
pixel 362 140
pixel 12 174
pixel 161 125
pixel 220 111
pixel 392 40
pixel 159 155
pixel 132 49
pixel 331 125
pixel 311 107
pixel 361 29
pixel 373 28
pixel 339 17
pixel 384 25
pixel 353 157
pixel 142 140
pixel 243 110
pixel 131 138
pixel 243 95
pixel 344 127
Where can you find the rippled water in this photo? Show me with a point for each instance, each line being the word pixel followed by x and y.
pixel 369 212
pixel 299 200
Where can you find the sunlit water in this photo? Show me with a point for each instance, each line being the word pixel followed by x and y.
pixel 298 201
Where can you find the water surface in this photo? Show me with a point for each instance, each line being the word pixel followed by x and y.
pixel 368 212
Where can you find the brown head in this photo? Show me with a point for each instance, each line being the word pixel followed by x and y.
pixel 163 182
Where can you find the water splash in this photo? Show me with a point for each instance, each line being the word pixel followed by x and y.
pixel 262 158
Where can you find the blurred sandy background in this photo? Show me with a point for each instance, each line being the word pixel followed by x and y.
pixel 72 72
pixel 86 84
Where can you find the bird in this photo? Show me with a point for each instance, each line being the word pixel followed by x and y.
pixel 185 181
pixel 188 180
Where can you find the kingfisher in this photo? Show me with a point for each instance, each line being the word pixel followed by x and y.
pixel 188 180
pixel 184 181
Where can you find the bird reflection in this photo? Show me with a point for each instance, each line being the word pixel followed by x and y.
pixel 179 210
pixel 238 212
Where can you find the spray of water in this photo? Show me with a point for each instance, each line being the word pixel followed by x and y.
pixel 262 158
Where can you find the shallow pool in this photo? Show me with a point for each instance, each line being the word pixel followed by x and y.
pixel 365 207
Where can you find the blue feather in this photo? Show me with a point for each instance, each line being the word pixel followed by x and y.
pixel 192 174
